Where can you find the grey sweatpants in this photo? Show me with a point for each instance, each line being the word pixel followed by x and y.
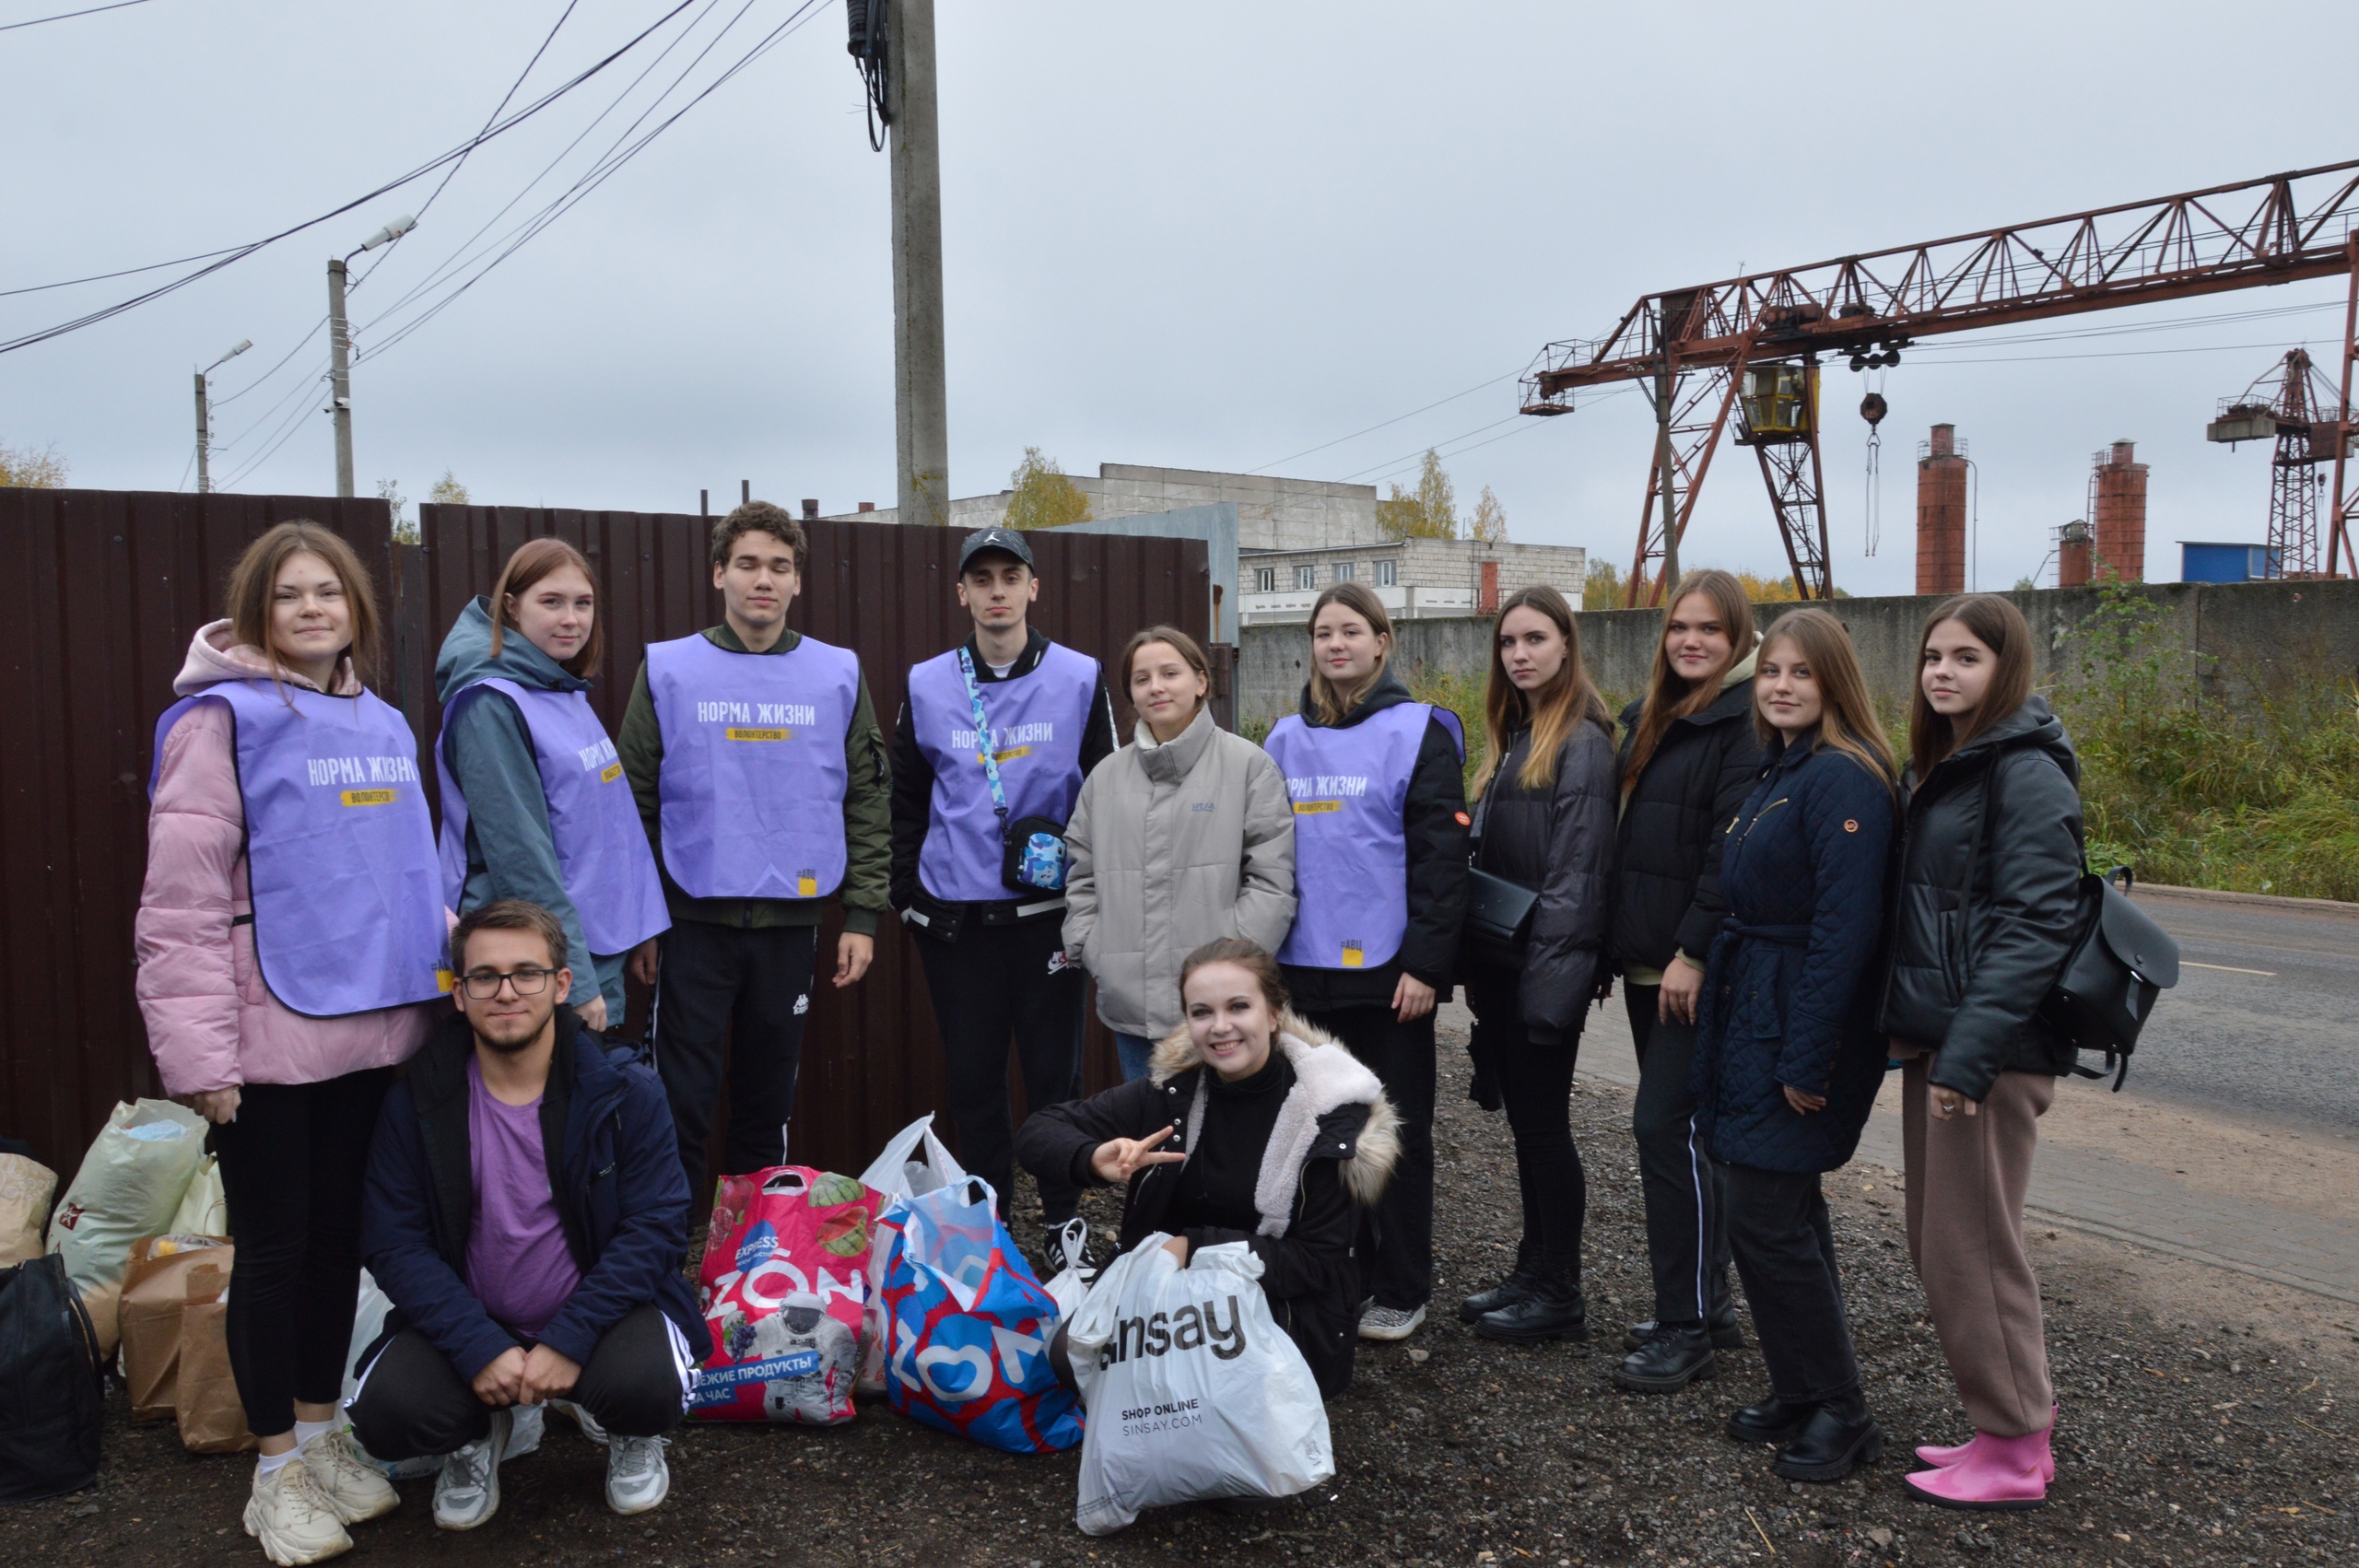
pixel 1967 1179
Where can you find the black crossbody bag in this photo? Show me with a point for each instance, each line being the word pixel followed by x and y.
pixel 1498 912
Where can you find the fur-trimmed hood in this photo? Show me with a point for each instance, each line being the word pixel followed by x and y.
pixel 1336 1110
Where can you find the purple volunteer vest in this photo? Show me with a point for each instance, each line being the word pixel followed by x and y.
pixel 1037 722
pixel 348 908
pixel 601 850
pixel 1349 789
pixel 753 779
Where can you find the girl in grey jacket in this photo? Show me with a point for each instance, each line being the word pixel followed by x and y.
pixel 1182 836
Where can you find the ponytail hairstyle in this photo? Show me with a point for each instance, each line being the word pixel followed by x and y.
pixel 1331 702
pixel 1549 713
pixel 1847 720
pixel 1249 956
pixel 534 560
pixel 1669 696
pixel 253 582
pixel 1999 626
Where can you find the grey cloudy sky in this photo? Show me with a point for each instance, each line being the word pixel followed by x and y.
pixel 1200 235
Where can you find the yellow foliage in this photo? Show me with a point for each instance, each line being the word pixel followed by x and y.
pixel 1430 511
pixel 1044 497
pixel 448 491
pixel 35 468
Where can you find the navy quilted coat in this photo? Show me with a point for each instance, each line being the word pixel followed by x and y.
pixel 1789 995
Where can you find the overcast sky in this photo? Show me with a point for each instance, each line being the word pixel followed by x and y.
pixel 1207 236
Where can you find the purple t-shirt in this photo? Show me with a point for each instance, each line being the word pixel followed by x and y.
pixel 518 1264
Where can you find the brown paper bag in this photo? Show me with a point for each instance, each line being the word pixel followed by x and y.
pixel 26 1189
pixel 154 1292
pixel 212 1420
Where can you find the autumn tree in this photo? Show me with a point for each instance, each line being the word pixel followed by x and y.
pixel 1488 525
pixel 1430 511
pixel 1601 588
pixel 448 491
pixel 1043 497
pixel 35 468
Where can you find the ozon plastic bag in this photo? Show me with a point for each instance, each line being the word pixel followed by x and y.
pixel 1192 1391
pixel 782 1287
pixel 911 1163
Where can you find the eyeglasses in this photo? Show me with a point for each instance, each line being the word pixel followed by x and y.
pixel 482 985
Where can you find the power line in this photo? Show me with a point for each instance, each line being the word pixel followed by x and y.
pixel 69 15
pixel 1355 434
pixel 240 252
pixel 225 402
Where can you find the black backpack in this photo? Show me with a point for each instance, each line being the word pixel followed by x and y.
pixel 2118 964
pixel 51 1404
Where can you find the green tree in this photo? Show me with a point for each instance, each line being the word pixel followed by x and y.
pixel 1043 497
pixel 1430 511
pixel 448 491
pixel 1601 588
pixel 390 492
pixel 1488 524
pixel 35 468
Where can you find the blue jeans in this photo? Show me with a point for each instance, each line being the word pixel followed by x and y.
pixel 1136 1052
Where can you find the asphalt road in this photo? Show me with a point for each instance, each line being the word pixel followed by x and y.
pixel 2265 1018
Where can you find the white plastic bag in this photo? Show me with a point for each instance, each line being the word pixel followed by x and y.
pixel 1192 1390
pixel 204 1207
pixel 895 1174
pixel 367 1322
pixel 130 1185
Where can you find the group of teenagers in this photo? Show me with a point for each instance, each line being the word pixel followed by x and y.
pixel 1791 911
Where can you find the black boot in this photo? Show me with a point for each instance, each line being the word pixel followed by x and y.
pixel 1553 1311
pixel 1671 1359
pixel 1771 1421
pixel 1518 1286
pixel 1840 1435
pixel 1726 1335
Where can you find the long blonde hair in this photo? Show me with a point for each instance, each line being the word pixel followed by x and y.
pixel 1327 699
pixel 1549 713
pixel 1848 717
pixel 1669 696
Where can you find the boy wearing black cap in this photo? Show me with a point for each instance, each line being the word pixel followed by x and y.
pixel 988 758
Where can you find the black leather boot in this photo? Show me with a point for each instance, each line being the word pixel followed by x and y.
pixel 1670 1360
pixel 1518 1286
pixel 1726 1335
pixel 1553 1311
pixel 1839 1437
pixel 1771 1421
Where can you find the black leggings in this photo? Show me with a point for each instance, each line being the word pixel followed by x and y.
pixel 291 1168
pixel 413 1404
pixel 1536 1081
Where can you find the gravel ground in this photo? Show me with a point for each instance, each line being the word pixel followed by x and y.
pixel 2180 1443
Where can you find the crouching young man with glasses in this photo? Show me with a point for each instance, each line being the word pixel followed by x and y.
pixel 526 1213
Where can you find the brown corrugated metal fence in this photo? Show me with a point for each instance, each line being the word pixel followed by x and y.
pixel 81 717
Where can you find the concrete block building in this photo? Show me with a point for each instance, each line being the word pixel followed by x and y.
pixel 1272 514
pixel 1415 578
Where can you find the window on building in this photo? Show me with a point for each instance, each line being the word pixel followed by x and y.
pixel 1388 574
pixel 1306 577
pixel 1265 579
pixel 1343 571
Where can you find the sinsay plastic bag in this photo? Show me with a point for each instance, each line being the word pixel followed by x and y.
pixel 1192 1391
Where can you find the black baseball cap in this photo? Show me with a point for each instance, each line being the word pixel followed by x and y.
pixel 1002 539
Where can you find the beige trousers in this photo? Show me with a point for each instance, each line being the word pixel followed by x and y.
pixel 1967 1179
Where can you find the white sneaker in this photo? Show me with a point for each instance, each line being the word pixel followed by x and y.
pixel 588 1424
pixel 293 1518
pixel 467 1492
pixel 636 1477
pixel 356 1490
pixel 1389 1322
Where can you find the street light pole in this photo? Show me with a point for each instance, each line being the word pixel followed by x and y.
pixel 205 418
pixel 340 350
pixel 920 396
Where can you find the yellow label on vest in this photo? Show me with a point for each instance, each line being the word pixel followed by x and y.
pixel 1008 755
pixel 1355 956
pixel 735 733
pixel 806 885
pixel 612 772
pixel 445 981
pixel 1316 808
pixel 370 796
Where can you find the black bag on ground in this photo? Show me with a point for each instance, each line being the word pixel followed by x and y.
pixel 2120 962
pixel 50 1402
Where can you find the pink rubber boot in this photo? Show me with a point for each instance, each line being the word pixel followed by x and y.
pixel 1941 1459
pixel 1997 1474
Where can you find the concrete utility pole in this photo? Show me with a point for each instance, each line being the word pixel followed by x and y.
pixel 1663 388
pixel 339 378
pixel 921 395
pixel 204 439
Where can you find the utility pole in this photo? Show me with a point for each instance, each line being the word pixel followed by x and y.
pixel 204 439
pixel 1663 387
pixel 339 378
pixel 921 395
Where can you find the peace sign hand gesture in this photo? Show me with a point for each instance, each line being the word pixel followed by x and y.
pixel 1117 1159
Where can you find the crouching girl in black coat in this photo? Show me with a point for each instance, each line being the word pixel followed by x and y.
pixel 1787 1057
pixel 1249 1126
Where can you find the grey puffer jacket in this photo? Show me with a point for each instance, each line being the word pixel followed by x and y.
pixel 1986 903
pixel 1173 846
pixel 1560 841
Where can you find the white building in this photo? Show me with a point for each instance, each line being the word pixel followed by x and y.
pixel 1413 579
pixel 1272 513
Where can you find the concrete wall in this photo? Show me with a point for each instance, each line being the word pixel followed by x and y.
pixel 2239 640
pixel 1272 513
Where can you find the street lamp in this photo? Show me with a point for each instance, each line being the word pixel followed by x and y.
pixel 204 419
pixel 339 349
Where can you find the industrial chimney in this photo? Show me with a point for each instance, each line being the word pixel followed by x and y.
pixel 2072 555
pixel 2117 511
pixel 1941 513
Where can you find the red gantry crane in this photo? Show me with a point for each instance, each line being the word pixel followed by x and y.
pixel 1749 347
pixel 2299 413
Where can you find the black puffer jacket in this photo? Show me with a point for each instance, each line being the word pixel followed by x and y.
pixel 1562 843
pixel 1667 897
pixel 1433 824
pixel 1987 902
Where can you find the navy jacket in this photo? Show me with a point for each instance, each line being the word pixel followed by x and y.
pixel 1790 996
pixel 614 1163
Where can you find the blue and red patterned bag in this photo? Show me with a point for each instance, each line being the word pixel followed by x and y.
pixel 969 1327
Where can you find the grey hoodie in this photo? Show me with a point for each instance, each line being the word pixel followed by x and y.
pixel 511 851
